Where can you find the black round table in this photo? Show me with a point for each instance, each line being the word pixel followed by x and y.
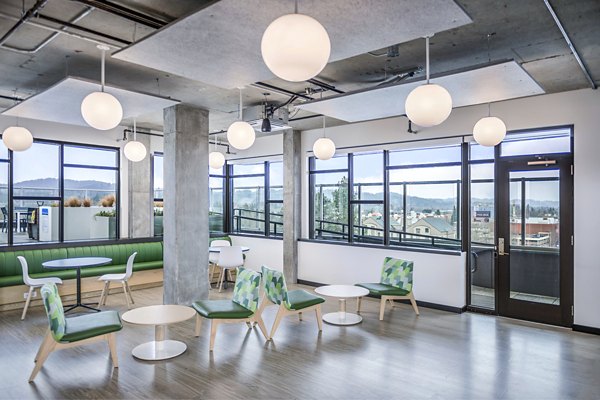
pixel 78 263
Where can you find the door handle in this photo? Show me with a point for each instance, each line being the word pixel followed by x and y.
pixel 501 251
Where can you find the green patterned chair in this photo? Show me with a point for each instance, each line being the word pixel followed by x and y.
pixel 241 308
pixel 74 331
pixel 289 302
pixel 396 283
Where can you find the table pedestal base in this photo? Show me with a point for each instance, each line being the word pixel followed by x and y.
pixel 342 318
pixel 159 350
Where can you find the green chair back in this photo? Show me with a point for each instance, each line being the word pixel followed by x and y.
pixel 275 287
pixel 54 310
pixel 245 292
pixel 397 273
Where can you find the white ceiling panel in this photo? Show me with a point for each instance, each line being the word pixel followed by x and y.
pixel 220 44
pixel 478 86
pixel 62 102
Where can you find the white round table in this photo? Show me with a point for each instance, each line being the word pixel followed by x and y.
pixel 160 316
pixel 342 293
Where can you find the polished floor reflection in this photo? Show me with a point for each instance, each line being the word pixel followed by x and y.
pixel 434 355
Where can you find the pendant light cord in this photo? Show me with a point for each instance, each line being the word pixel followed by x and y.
pixel 296 7
pixel 240 113
pixel 102 72
pixel 489 38
pixel 427 58
pixel 134 131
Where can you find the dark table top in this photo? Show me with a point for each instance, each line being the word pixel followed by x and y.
pixel 79 262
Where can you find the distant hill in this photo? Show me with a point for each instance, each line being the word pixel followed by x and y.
pixel 52 183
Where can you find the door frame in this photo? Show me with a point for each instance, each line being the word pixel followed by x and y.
pixel 557 315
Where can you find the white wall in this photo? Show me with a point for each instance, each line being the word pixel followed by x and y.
pixel 434 275
pixel 80 134
pixel 580 108
pixel 267 252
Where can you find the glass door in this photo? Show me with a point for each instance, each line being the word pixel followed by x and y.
pixel 534 239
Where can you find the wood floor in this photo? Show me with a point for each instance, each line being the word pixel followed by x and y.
pixel 437 355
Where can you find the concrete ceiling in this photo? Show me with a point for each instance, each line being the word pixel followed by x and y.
pixel 524 30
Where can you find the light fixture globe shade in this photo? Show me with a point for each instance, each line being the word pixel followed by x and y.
pixel 428 105
pixel 295 47
pixel 324 148
pixel 135 151
pixel 241 135
pixel 216 160
pixel 489 131
pixel 17 138
pixel 101 110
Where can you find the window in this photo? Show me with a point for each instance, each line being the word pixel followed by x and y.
pixel 158 190
pixel 402 197
pixel 216 198
pixel 60 192
pixel 90 179
pixel 257 198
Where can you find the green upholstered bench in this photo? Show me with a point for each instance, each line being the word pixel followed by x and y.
pixel 150 256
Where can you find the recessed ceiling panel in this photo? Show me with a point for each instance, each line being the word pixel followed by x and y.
pixel 62 102
pixel 488 84
pixel 220 44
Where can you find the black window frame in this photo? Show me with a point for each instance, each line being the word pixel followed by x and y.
pixel 61 189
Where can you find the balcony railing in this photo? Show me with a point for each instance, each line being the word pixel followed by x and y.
pixel 243 219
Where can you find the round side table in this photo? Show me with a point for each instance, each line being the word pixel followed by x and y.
pixel 342 293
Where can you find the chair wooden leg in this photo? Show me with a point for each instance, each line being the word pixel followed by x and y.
pixel 45 342
pixel 213 332
pixel 382 307
pixel 102 294
pixel 392 303
pixel 413 302
pixel 111 338
pixel 44 353
pixel 261 325
pixel 221 279
pixel 299 316
pixel 107 292
pixel 125 293
pixel 358 302
pixel 211 272
pixel 27 301
pixel 319 317
pixel 280 314
pixel 198 325
pixel 129 291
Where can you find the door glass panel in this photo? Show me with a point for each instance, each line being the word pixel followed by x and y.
pixel 534 236
pixel 483 282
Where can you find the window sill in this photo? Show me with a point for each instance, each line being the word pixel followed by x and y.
pixel 379 246
pixel 252 235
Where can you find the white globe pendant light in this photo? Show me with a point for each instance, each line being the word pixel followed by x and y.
pixel 240 134
pixel 216 159
pixel 324 148
pixel 135 151
pixel 17 138
pixel 102 110
pixel 430 104
pixel 489 131
pixel 295 47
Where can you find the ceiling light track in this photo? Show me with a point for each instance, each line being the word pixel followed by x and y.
pixel 26 16
pixel 82 29
pixel 324 85
pixel 586 72
pixel 127 13
pixel 262 85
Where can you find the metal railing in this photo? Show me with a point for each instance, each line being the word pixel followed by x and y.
pixel 241 215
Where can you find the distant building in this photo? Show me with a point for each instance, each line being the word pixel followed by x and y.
pixel 432 226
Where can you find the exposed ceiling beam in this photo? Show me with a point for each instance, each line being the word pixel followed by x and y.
pixel 570 44
pixel 124 12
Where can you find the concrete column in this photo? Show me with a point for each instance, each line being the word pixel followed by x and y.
pixel 292 197
pixel 185 204
pixel 140 194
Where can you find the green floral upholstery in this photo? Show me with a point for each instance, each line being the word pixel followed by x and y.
pixel 397 273
pixel 276 291
pixel 54 310
pixel 66 330
pixel 245 292
pixel 275 288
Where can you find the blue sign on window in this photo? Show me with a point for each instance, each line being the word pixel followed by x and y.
pixel 44 211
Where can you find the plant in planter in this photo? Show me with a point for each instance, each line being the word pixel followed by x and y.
pixel 73 202
pixel 108 218
pixel 87 202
